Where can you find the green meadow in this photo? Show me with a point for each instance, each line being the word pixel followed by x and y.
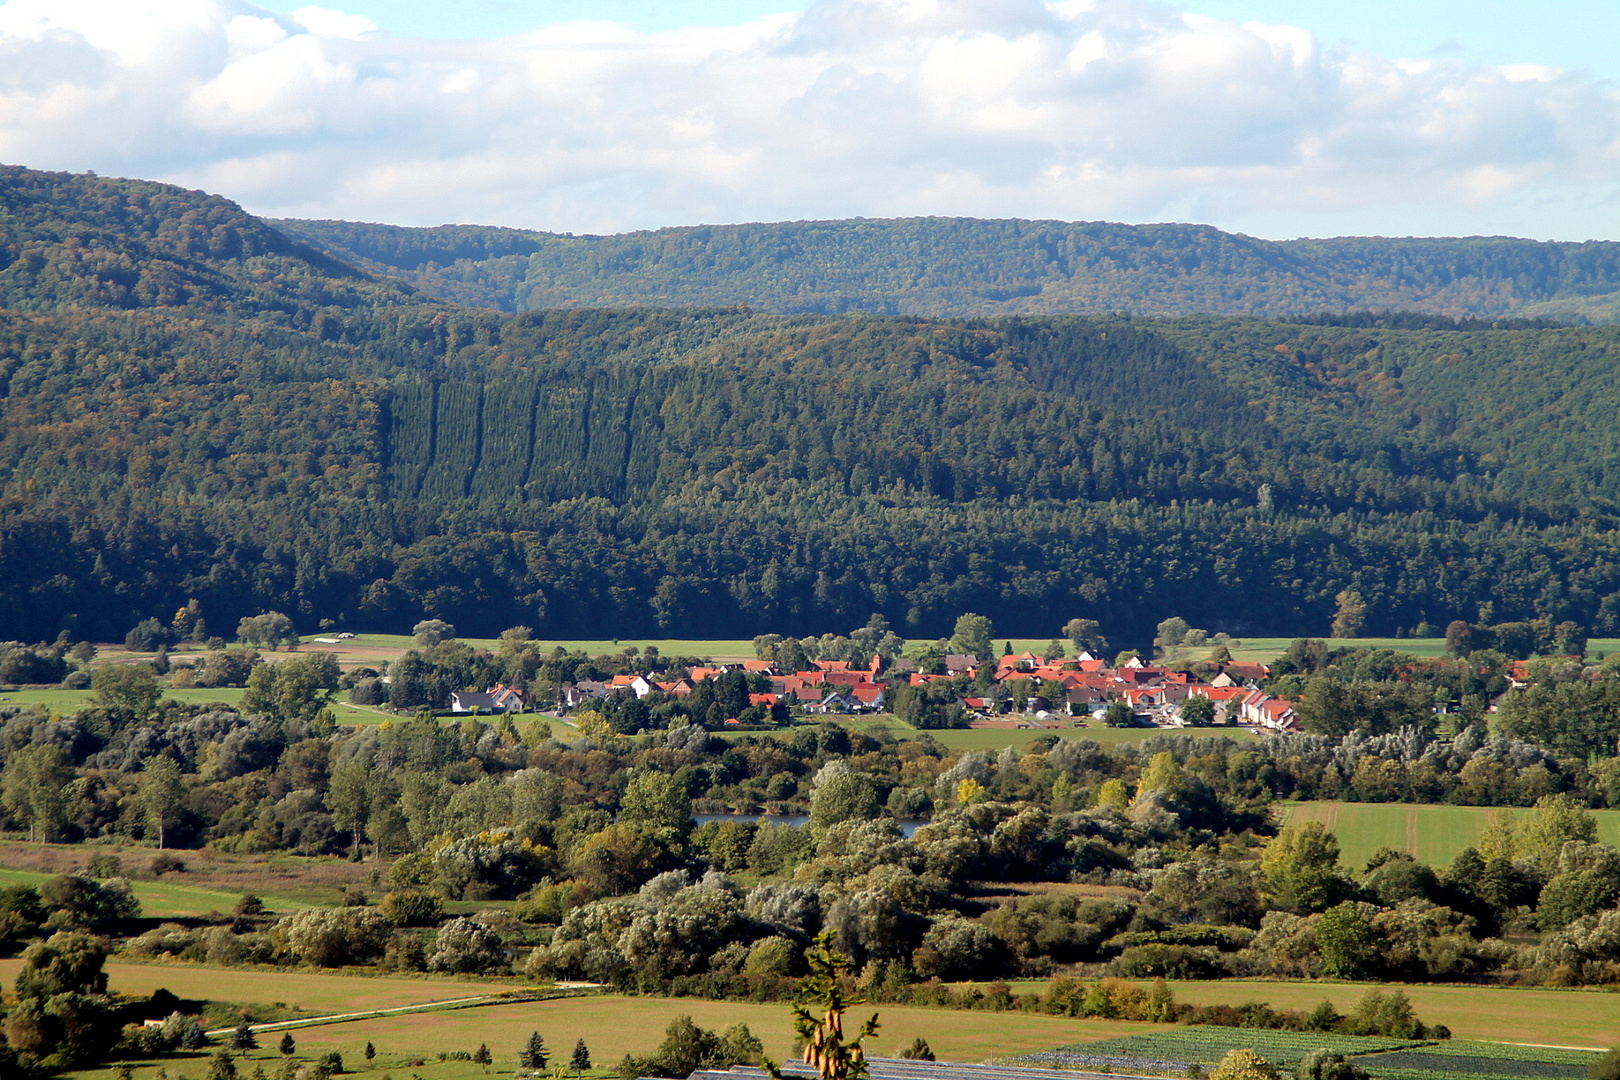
pixel 168 899
pixel 1432 834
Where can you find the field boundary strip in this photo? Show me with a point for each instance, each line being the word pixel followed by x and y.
pixel 509 997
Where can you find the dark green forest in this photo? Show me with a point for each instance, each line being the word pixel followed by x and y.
pixel 194 405
pixel 958 267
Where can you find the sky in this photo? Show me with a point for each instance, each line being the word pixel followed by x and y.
pixel 1274 118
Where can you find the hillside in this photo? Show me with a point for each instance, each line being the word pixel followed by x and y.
pixel 294 433
pixel 969 267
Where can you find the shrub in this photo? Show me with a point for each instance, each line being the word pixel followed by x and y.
pixel 167 864
pixel 146 636
pixel 105 865
pixel 412 908
pixel 333 937
pixel 463 945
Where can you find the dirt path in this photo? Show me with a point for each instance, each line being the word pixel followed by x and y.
pixel 508 998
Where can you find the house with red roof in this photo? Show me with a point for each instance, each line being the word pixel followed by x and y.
pixel 869 695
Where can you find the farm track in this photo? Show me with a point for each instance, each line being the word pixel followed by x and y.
pixel 506 998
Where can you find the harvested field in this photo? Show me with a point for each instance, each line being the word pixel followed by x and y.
pixel 611 1027
pixel 1575 1018
pixel 312 992
pixel 614 1026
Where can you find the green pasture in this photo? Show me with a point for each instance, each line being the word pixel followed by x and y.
pixel 62 701
pixel 1432 834
pixel 1265 650
pixel 728 648
pixel 167 899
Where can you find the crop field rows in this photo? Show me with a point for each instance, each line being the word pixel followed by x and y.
pixel 1176 1049
pixel 1447 1060
pixel 1183 1046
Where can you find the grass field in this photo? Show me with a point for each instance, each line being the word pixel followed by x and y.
pixel 212 880
pixel 997 738
pixel 66 701
pixel 1433 834
pixel 1577 1018
pixel 1265 650
pixel 611 1026
pixel 312 992
pixel 615 1025
pixel 167 899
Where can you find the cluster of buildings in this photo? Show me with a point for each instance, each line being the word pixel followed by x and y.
pixel 1016 690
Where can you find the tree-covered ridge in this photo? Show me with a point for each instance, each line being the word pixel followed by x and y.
pixel 309 439
pixel 78 240
pixel 965 267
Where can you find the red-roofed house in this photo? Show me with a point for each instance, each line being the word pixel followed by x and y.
pixel 869 695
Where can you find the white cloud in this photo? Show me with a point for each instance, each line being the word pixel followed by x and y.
pixel 1121 109
pixel 319 20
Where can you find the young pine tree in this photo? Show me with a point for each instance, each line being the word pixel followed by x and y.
pixel 288 1044
pixel 221 1067
pixel 582 1057
pixel 533 1056
pixel 242 1039
pixel 919 1050
pixel 371 1053
pixel 825 1048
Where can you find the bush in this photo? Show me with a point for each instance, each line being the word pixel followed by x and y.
pixel 77 680
pixel 167 864
pixel 466 946
pixel 1324 1065
pixel 333 937
pixel 146 636
pixel 105 865
pixel 405 952
pixel 369 692
pixel 412 908
pixel 1168 961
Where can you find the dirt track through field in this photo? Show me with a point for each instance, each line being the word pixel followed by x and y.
pixel 338 1018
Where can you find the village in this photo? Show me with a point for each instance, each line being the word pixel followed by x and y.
pixel 1016 690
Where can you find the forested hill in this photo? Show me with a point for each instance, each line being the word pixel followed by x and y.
pixel 78 240
pixel 970 267
pixel 192 406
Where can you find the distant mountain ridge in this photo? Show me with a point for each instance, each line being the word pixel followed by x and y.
pixel 960 267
